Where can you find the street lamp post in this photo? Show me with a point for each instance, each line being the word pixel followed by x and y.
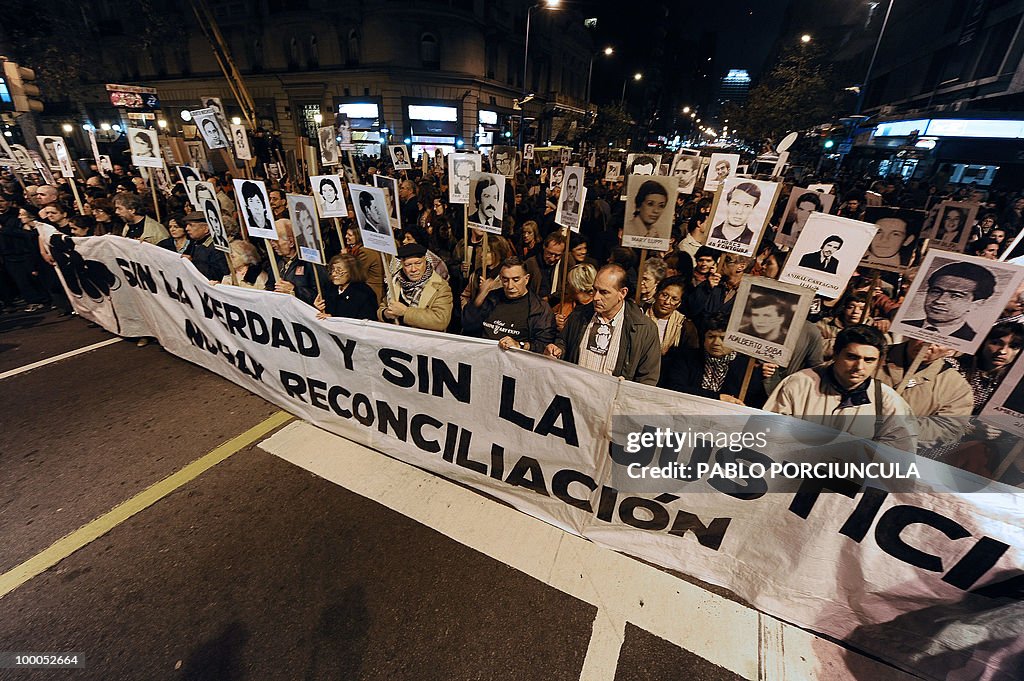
pixel 871 64
pixel 608 51
pixel 637 77
pixel 551 4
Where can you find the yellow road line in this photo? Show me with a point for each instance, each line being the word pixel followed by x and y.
pixel 62 548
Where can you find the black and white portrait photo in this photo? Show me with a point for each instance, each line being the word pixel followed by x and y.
pixel 190 177
pixel 591 159
pixel 255 206
pixel 217 106
pixel 1005 409
pixel 328 145
pixel 503 161
pixel 762 321
pixel 565 156
pixel 306 227
pixel 22 158
pixel 802 202
pixel 370 206
pixel 144 147
pixel 643 164
pixel 650 206
pixel 528 151
pixel 721 167
pixel 197 156
pixel 208 205
pixel 460 168
pixel 330 201
pixel 343 127
pixel 951 227
pixel 895 246
pixel 827 253
pixel 210 128
pixel 613 171
pixel 50 145
pixel 240 140
pixel 389 185
pixel 686 168
pixel 570 199
pixel 955 299
pixel 400 157
pixel 740 215
pixel 487 201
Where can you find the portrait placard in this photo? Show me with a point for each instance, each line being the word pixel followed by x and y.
pixel 209 127
pixel 802 203
pixel 330 201
pixel 105 165
pixel 217 106
pixel 951 227
pixel 955 299
pixel 208 205
pixel 254 203
pixel 528 152
pixel 22 159
pixel 197 156
pixel 6 155
pixel 570 198
pixel 765 320
pixel 503 161
pixel 486 201
pixel 896 245
pixel 613 171
pixel 54 148
pixel 460 167
pixel 827 253
pixel 565 156
pixel 1005 409
pixel 686 168
pixel 306 226
pixel 823 188
pixel 721 167
pixel 370 207
pixel 650 201
pixel 741 213
pixel 145 148
pixel 240 140
pixel 592 159
pixel 399 157
pixel 329 153
pixel 343 126
pixel 189 177
pixel 389 186
pixel 642 164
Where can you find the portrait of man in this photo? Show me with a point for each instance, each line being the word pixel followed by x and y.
pixel 389 185
pixel 566 156
pixel 612 171
pixel 400 157
pixel 740 203
pixel 215 105
pixel 373 213
pixel 343 126
pixel 528 152
pixel 767 316
pixel 503 161
pixel 642 164
pixel 49 147
pixel 894 245
pixel 722 166
pixel 460 168
pixel 824 259
pixel 571 192
pixel 328 145
pixel 329 198
pixel 255 204
pixel 240 139
pixel 211 209
pixel 144 149
pixel 686 167
pixel 210 128
pixel 22 158
pixel 557 176
pixel 802 203
pixel 486 204
pixel 305 226
pixel 952 292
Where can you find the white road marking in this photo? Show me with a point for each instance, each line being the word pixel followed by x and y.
pixel 721 631
pixel 59 358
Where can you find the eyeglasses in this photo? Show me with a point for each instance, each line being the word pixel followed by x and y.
pixel 339 270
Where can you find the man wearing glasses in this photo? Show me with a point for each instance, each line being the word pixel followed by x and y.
pixel 953 291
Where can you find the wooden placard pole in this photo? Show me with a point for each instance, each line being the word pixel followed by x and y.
pixel 389 280
pixel 747 375
pixel 273 260
pixel 152 189
pixel 485 262
pixel 316 278
pixel 640 274
pixel 465 238
pixel 341 236
pixel 78 198
pixel 565 267
pixel 231 268
pixel 352 165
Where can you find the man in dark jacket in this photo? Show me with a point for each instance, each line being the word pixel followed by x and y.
pixel 210 262
pixel 506 310
pixel 611 334
pixel 19 247
pixel 297 277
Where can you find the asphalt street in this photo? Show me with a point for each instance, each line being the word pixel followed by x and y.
pixel 253 568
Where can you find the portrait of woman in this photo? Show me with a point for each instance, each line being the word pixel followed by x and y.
pixel 649 205
pixel 254 202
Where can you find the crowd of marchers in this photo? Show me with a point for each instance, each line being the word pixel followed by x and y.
pixel 659 320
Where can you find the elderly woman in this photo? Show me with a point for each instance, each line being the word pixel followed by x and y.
pixel 107 222
pixel 248 266
pixel 419 298
pixel 654 272
pixel 581 292
pixel 714 370
pixel 674 329
pixel 347 295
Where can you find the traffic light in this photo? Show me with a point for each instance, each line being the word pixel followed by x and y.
pixel 829 144
pixel 20 82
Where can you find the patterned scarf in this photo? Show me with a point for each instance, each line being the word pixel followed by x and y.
pixel 412 290
pixel 715 369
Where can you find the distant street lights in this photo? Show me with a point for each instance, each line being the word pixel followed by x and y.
pixel 549 4
pixel 805 38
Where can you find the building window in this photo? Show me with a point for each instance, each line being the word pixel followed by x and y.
pixel 998 44
pixel 491 57
pixel 292 50
pixel 313 58
pixel 352 57
pixel 430 52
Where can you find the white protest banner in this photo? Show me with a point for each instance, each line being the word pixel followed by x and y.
pixel 371 209
pixel 741 215
pixel 145 148
pixel 650 201
pixel 486 201
pixel 827 253
pixel 460 167
pixel 909 576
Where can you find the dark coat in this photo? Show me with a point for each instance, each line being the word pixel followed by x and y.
pixel 305 283
pixel 639 358
pixel 210 262
pixel 540 325
pixel 683 371
pixel 357 302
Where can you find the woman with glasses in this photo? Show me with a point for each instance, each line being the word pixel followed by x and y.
pixel 347 295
